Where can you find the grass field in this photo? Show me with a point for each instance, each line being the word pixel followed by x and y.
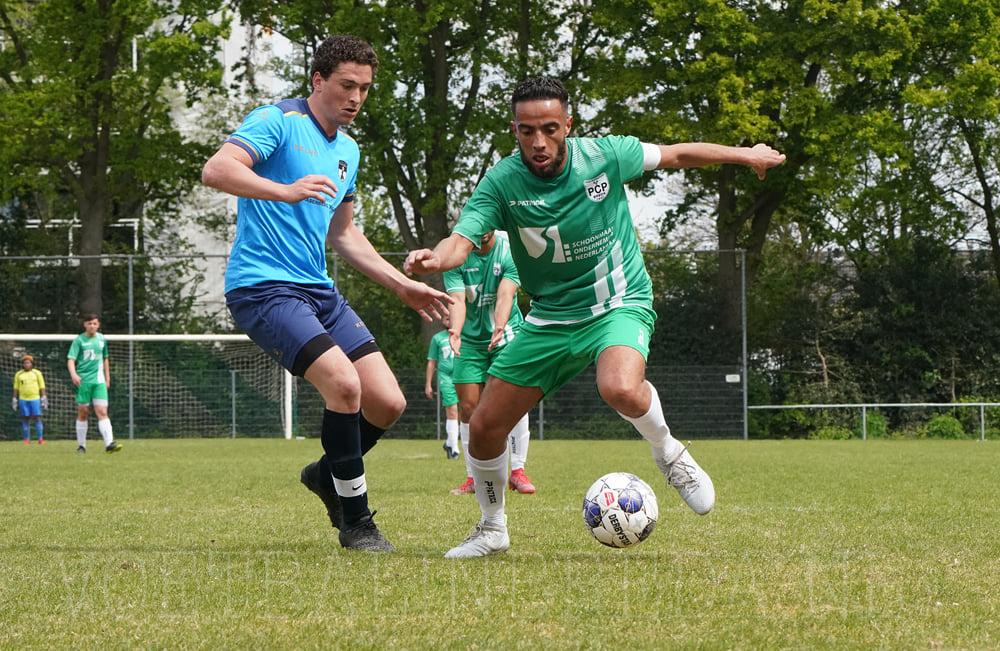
pixel 214 544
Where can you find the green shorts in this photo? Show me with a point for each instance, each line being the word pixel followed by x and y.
pixel 550 356
pixel 473 365
pixel 88 392
pixel 447 388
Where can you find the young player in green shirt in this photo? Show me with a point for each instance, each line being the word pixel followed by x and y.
pixel 484 319
pixel 440 363
pixel 90 370
pixel 563 203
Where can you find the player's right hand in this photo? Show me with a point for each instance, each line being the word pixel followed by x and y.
pixel 317 187
pixel 13 404
pixel 455 341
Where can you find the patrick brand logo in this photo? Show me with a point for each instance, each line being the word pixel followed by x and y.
pixel 597 189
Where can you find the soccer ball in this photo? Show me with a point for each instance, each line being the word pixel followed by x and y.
pixel 620 510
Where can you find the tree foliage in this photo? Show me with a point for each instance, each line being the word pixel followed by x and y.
pixel 90 92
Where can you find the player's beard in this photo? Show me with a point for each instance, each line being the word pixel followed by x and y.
pixel 551 169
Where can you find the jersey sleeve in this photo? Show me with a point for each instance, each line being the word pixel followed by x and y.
pixel 510 270
pixel 482 213
pixel 260 133
pixel 629 153
pixel 453 281
pixel 74 349
pixel 41 378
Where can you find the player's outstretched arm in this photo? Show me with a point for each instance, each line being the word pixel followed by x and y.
pixel 760 157
pixel 345 238
pixel 448 254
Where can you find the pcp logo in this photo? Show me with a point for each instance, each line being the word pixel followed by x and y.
pixel 597 189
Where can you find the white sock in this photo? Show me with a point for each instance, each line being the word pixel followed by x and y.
pixel 104 427
pixel 463 429
pixel 518 444
pixel 653 427
pixel 451 433
pixel 490 476
pixel 81 433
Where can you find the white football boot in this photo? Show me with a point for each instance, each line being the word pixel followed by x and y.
pixel 693 483
pixel 483 541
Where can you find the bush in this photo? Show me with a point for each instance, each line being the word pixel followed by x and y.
pixel 945 426
pixel 875 426
pixel 831 433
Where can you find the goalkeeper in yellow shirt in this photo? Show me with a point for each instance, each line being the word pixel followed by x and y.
pixel 29 398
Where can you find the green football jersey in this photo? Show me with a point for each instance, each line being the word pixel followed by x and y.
pixel 89 353
pixel 572 235
pixel 441 352
pixel 479 278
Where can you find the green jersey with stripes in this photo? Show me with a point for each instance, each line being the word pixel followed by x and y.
pixel 440 351
pixel 571 236
pixel 89 353
pixel 479 278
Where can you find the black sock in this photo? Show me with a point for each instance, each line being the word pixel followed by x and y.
pixel 369 435
pixel 342 443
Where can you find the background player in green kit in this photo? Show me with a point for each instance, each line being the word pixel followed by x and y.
pixel 90 370
pixel 440 363
pixel 485 318
pixel 563 203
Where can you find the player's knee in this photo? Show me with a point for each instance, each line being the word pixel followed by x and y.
pixel 621 397
pixel 396 406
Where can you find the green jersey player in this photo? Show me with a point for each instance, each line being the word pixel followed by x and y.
pixel 440 363
pixel 485 318
pixel 90 370
pixel 563 204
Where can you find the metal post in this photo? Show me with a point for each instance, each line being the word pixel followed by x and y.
pixel 743 332
pixel 864 423
pixel 437 406
pixel 131 349
pixel 541 420
pixel 232 397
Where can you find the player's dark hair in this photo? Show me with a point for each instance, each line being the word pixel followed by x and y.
pixel 342 48
pixel 90 316
pixel 539 88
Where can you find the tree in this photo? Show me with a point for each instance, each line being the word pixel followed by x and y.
pixel 89 92
pixel 826 82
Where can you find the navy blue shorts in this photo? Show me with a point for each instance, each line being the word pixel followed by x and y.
pixel 295 324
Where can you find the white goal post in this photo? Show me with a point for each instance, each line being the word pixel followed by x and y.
pixel 176 384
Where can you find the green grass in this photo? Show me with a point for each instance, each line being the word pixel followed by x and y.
pixel 214 544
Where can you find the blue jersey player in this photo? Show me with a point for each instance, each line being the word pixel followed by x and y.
pixel 295 170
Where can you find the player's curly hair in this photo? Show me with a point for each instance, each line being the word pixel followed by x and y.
pixel 540 88
pixel 342 48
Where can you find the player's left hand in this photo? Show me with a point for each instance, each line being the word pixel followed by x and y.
pixel 429 303
pixel 45 402
pixel 764 158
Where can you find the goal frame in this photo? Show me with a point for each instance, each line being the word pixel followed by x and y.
pixel 287 379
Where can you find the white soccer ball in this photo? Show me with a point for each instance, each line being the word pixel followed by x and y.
pixel 620 510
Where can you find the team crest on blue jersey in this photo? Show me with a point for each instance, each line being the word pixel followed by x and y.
pixel 597 189
pixel 342 167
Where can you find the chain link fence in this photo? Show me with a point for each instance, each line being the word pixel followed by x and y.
pixel 179 390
